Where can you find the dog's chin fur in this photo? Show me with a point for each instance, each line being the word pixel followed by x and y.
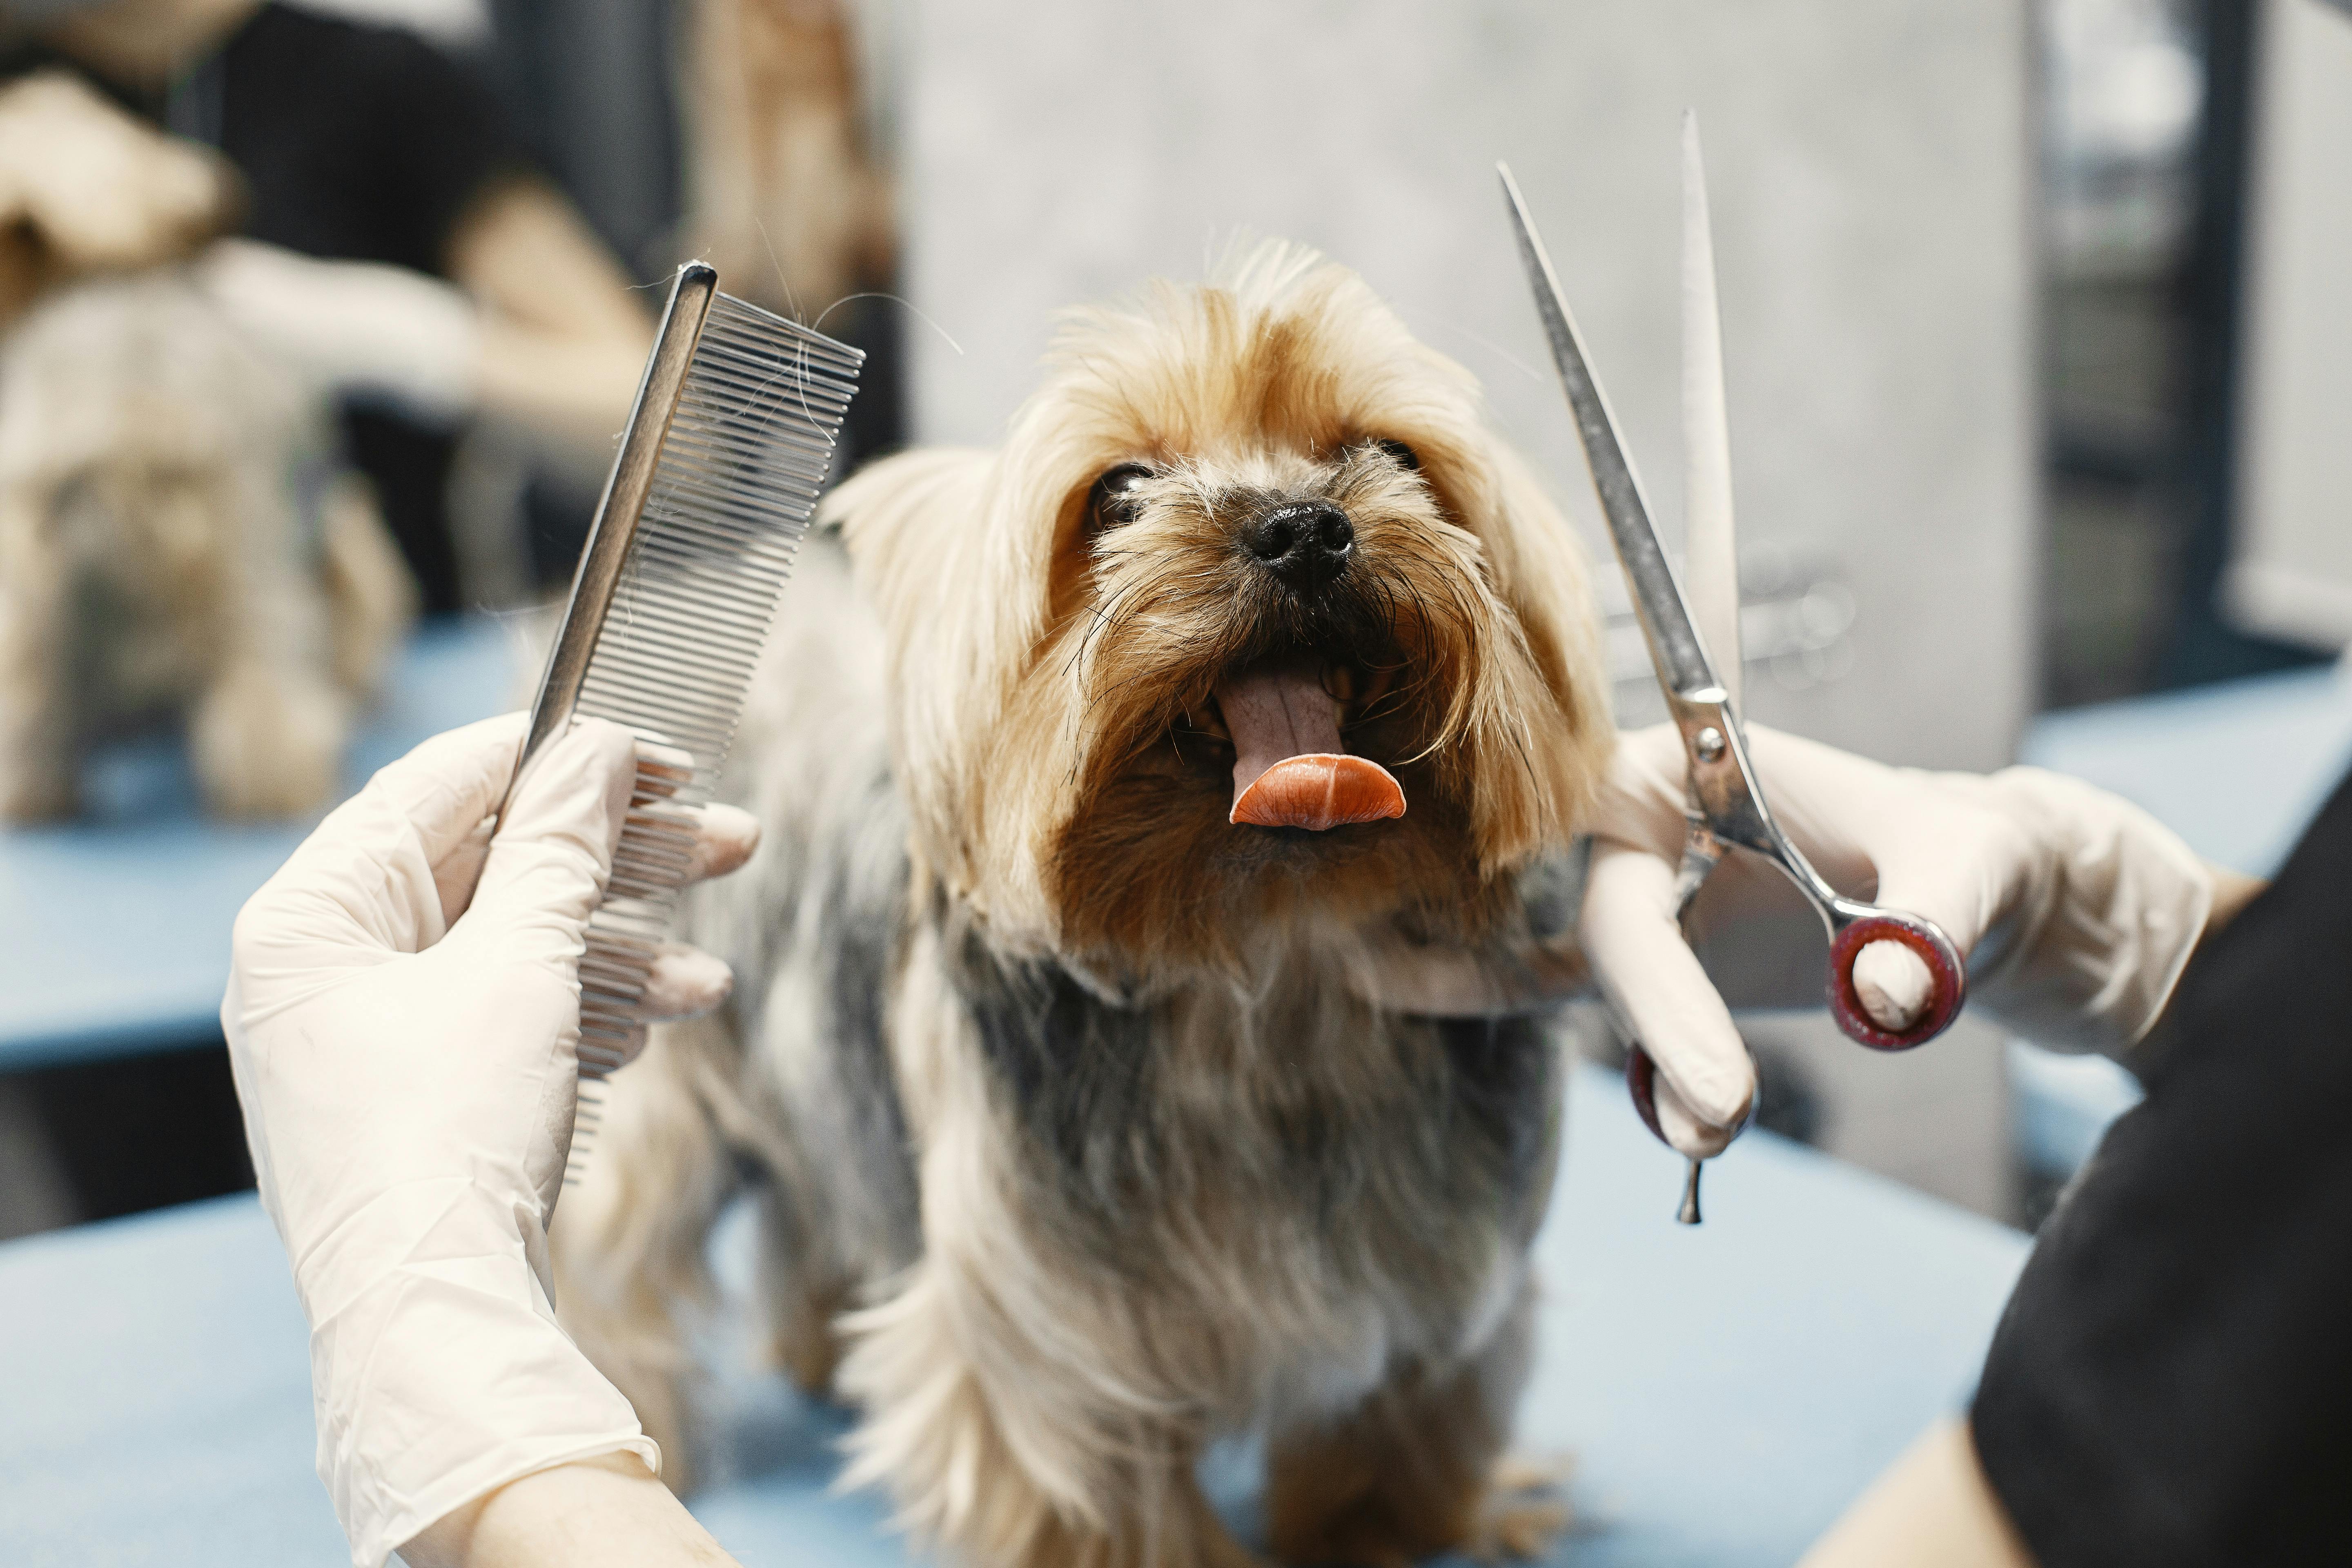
pixel 1079 1134
pixel 176 543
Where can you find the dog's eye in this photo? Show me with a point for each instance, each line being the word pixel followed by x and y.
pixel 1113 501
pixel 1396 452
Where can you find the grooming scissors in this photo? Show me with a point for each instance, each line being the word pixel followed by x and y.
pixel 1724 801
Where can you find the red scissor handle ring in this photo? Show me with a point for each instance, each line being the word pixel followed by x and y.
pixel 1641 1083
pixel 1949 981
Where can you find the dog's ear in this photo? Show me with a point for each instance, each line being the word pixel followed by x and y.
pixel 957 618
pixel 915 529
pixel 1540 570
pixel 884 500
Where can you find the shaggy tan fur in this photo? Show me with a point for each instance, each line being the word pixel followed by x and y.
pixel 175 541
pixel 1083 1094
pixel 782 197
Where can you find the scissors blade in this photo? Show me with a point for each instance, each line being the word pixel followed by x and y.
pixel 1710 540
pixel 1675 648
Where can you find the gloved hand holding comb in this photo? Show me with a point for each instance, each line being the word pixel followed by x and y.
pixel 404 1042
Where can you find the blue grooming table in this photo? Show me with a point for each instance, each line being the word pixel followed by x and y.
pixel 1722 1392
pixel 2237 770
pixel 114 930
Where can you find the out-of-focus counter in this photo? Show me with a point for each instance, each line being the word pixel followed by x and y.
pixel 114 930
pixel 1722 1392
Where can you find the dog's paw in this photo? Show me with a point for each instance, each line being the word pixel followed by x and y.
pixel 34 791
pixel 1523 1511
pixel 266 745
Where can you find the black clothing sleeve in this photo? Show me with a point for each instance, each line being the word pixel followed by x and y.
pixel 2172 1382
pixel 368 144
pixel 358 144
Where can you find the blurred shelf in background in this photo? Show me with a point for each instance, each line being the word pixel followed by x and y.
pixel 2153 178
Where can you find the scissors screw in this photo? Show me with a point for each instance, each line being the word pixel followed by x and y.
pixel 1709 742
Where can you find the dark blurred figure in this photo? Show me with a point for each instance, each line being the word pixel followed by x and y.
pixel 783 193
pixel 362 144
pixel 736 131
pixel 398 246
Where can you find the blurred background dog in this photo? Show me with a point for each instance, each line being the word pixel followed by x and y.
pixel 1082 1135
pixel 105 193
pixel 177 541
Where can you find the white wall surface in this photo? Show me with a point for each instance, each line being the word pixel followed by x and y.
pixel 2293 572
pixel 1869 165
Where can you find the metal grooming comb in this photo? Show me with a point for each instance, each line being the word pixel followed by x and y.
pixel 728 443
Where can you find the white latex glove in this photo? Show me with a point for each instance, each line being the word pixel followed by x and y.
pixel 359 327
pixel 2073 910
pixel 407 1062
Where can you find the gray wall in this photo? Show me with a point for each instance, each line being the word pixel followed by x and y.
pixel 1869 163
pixel 1869 168
pixel 2292 576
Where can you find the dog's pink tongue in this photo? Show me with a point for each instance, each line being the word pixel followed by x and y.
pixel 1290 768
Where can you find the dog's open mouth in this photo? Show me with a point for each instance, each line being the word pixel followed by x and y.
pixel 1291 769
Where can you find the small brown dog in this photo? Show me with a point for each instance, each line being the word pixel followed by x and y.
pixel 1104 781
pixel 175 540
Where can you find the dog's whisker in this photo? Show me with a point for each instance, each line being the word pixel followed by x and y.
pixel 1105 615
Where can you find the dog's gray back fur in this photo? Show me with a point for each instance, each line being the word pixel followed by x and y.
pixel 814 928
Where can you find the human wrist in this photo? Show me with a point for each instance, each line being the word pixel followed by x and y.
pixel 2105 920
pixel 448 1333
pixel 2232 892
pixel 1933 1508
pixel 585 1513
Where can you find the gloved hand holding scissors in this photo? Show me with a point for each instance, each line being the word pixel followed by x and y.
pixel 2073 910
pixel 2068 913
pixel 403 1017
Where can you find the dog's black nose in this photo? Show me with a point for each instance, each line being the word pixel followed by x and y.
pixel 1305 543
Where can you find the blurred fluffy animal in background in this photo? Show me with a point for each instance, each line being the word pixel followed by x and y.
pixel 783 196
pixel 1108 779
pixel 84 189
pixel 177 541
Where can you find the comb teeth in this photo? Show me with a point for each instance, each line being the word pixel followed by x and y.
pixel 750 438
